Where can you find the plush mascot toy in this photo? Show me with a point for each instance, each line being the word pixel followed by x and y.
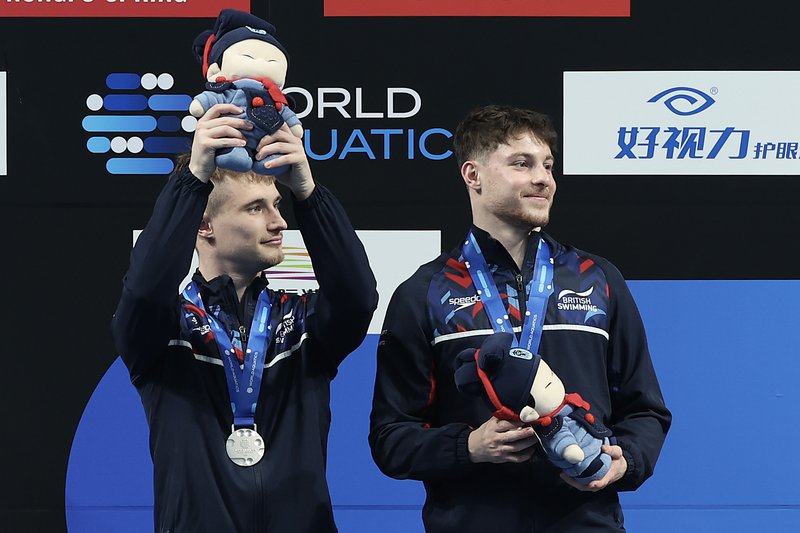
pixel 523 388
pixel 245 65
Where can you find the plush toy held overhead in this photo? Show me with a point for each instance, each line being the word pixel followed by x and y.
pixel 245 65
pixel 523 388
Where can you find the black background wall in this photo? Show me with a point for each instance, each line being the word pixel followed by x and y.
pixel 66 222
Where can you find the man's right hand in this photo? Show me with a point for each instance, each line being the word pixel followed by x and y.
pixel 501 441
pixel 215 131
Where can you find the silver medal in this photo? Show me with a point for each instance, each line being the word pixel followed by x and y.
pixel 245 446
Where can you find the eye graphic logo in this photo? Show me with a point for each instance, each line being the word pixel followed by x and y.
pixel 677 98
pixel 153 124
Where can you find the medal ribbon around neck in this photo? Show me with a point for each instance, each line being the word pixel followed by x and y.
pixel 243 385
pixel 539 291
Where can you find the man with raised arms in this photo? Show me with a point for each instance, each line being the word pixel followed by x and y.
pixel 234 376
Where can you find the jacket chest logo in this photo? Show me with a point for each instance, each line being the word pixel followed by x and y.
pixel 583 303
pixel 286 326
pixel 463 302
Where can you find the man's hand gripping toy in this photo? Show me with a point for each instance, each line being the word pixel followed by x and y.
pixel 245 65
pixel 523 388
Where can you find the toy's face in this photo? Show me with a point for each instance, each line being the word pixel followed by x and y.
pixel 251 58
pixel 547 393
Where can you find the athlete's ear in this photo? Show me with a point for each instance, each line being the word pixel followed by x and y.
pixel 470 175
pixel 205 230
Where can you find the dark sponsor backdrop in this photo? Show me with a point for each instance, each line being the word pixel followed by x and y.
pixel 67 222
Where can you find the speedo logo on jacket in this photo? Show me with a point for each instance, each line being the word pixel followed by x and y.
pixel 464 301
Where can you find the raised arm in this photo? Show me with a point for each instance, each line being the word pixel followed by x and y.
pixel 147 314
pixel 348 295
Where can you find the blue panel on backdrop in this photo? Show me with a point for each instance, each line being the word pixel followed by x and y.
pixel 110 520
pixel 378 520
pixel 710 520
pixel 352 475
pixel 728 359
pixel 727 354
pixel 110 471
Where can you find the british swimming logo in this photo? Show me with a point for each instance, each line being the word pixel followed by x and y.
pixel 569 300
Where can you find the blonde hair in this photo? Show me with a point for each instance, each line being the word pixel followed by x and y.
pixel 219 193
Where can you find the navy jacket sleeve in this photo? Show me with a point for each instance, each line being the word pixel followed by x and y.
pixel 403 443
pixel 147 314
pixel 348 291
pixel 640 419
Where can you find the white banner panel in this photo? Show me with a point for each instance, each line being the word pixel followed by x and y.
pixel 3 127
pixel 673 122
pixel 393 256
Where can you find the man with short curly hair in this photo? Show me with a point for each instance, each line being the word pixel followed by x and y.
pixel 481 472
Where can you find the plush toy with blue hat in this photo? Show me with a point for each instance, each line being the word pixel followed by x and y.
pixel 245 65
pixel 523 388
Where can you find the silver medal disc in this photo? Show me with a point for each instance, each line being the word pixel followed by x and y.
pixel 245 447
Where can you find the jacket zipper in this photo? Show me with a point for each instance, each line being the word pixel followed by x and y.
pixel 259 495
pixel 241 316
pixel 521 296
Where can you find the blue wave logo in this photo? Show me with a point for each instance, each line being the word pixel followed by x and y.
pixel 590 314
pixel 138 124
pixel 684 101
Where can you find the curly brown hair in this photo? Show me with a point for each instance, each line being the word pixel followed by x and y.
pixel 486 128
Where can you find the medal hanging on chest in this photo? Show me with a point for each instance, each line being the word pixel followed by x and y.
pixel 539 292
pixel 244 446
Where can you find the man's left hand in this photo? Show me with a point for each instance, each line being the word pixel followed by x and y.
pixel 618 468
pixel 298 178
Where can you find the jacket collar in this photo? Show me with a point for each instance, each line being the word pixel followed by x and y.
pixel 221 291
pixel 495 253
